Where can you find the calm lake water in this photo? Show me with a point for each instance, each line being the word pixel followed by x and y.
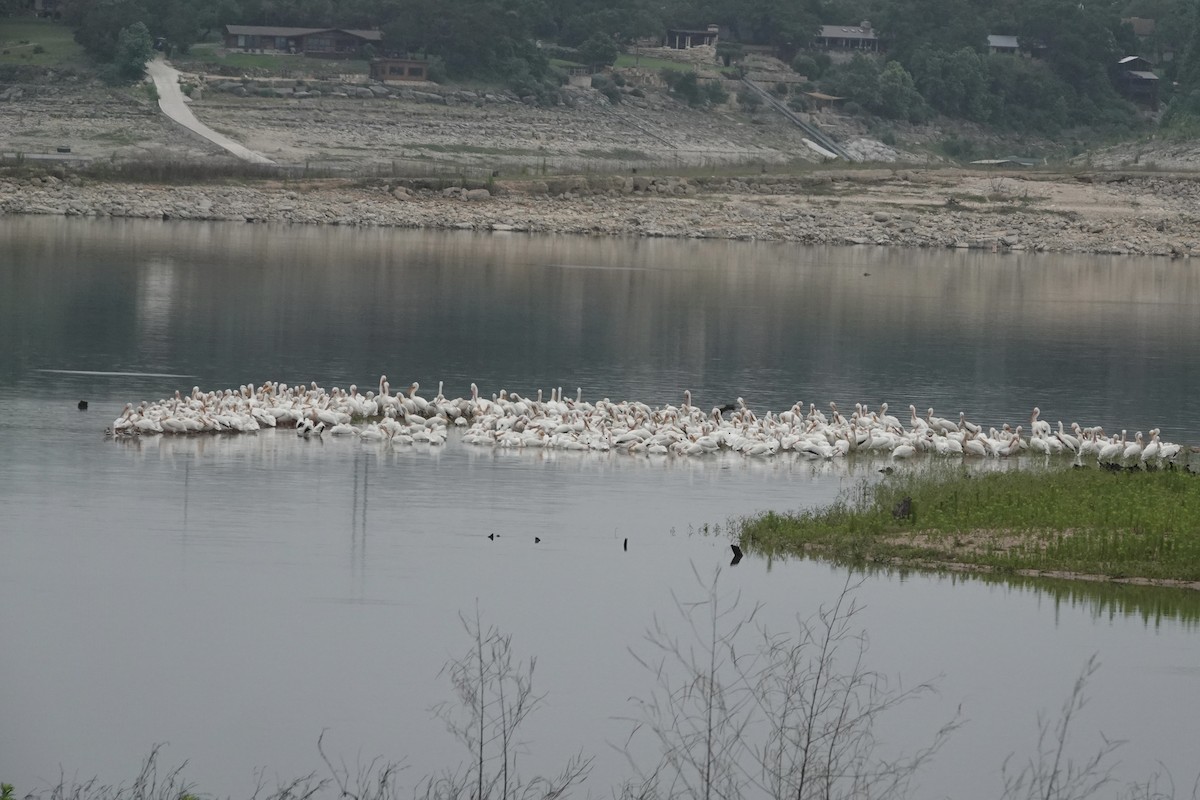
pixel 234 597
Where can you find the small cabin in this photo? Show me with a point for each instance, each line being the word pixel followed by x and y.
pixel 847 37
pixel 319 42
pixel 998 43
pixel 682 39
pixel 1137 80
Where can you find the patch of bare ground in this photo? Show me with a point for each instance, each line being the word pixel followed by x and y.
pixel 1150 154
pixel 94 121
pixel 981 542
pixel 721 174
pixel 561 138
pixel 971 542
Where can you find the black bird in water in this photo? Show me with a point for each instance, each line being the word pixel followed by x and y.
pixel 537 539
pixel 625 547
pixel 493 536
pixel 737 555
pixel 82 405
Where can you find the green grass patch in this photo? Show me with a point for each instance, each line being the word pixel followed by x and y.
pixel 646 62
pixel 40 42
pixel 1072 522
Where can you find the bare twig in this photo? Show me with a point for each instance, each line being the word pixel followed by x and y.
pixel 375 780
pixel 792 718
pixel 495 697
pixel 1050 773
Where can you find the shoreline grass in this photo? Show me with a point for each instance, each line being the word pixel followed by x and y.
pixel 1079 523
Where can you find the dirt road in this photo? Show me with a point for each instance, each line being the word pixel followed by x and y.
pixel 171 102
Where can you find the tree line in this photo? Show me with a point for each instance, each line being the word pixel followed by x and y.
pixel 936 59
pixel 1069 82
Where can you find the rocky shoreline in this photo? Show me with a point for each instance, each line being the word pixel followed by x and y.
pixel 1102 213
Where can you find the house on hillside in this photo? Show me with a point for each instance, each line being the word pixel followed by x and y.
pixel 1003 44
pixel 1137 80
pixel 48 8
pixel 682 39
pixel 319 42
pixel 846 37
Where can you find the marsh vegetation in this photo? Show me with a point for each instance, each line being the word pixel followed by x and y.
pixel 1120 525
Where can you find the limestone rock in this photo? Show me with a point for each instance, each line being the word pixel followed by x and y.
pixel 428 97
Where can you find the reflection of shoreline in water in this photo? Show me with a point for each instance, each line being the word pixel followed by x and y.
pixel 1102 598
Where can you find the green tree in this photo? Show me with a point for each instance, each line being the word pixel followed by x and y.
pixel 599 49
pixel 98 24
pixel 1026 95
pixel 954 84
pixel 134 49
pixel 787 25
pixel 475 38
pixel 1174 24
pixel 317 13
pixel 804 64
pixel 1184 110
pixel 1081 44
pixel 572 22
pixel 857 80
pixel 180 22
pixel 216 15
pixel 898 95
pixel 956 24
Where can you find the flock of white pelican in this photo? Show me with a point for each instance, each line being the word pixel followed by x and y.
pixel 508 420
